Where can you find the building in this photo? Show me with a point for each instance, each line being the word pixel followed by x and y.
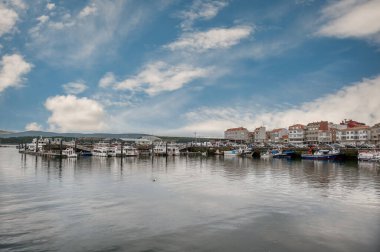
pixel 237 134
pixel 260 135
pixel 375 134
pixel 312 131
pixel 354 136
pixel 276 135
pixel 296 134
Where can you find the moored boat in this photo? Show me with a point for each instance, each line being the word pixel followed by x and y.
pixel 70 153
pixel 323 155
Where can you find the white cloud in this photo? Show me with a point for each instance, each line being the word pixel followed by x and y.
pixel 201 10
pixel 88 10
pixel 19 4
pixel 12 69
pixel 158 77
pixel 33 126
pixel 70 39
pixel 211 39
pixel 70 113
pixel 107 80
pixel 50 6
pixel 352 18
pixel 74 87
pixel 358 101
pixel 42 19
pixel 8 19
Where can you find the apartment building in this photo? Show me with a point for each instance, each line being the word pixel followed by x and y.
pixel 375 134
pixel 312 131
pixel 260 135
pixel 238 134
pixel 296 134
pixel 357 135
pixel 276 135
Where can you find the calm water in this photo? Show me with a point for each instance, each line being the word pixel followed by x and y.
pixel 195 204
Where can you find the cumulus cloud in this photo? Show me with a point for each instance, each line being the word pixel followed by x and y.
pixel 358 101
pixel 12 70
pixel 88 10
pixel 70 113
pixel 107 80
pixel 201 10
pixel 8 19
pixel 158 77
pixel 74 87
pixel 211 39
pixel 42 19
pixel 33 126
pixel 352 18
pixel 50 6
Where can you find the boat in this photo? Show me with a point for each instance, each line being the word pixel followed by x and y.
pixel 100 151
pixel 70 153
pixel 244 152
pixel 163 149
pixel 288 154
pixel 128 151
pixel 372 156
pixel 323 155
pixel 266 155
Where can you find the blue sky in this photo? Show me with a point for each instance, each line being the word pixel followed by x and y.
pixel 178 67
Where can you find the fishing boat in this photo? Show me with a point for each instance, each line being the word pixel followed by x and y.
pixel 323 155
pixel 70 153
pixel 287 154
pixel 163 149
pixel 231 153
pixel 100 151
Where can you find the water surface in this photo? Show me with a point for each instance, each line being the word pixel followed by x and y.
pixel 186 204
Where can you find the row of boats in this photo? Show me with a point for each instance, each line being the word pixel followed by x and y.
pixel 105 150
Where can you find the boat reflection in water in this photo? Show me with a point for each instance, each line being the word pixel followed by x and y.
pixel 184 203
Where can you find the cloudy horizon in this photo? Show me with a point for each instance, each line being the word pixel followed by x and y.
pixel 178 67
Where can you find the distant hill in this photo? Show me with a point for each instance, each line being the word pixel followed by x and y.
pixel 5 132
pixel 76 135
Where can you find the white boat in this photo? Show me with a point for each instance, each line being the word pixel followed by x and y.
pixel 128 151
pixel 70 153
pixel 163 149
pixel 369 156
pixel 239 152
pixel 100 151
pixel 266 155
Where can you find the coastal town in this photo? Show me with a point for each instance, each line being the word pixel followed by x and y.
pixel 349 139
pixel 346 133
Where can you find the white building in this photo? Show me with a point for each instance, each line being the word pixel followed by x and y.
pixel 296 134
pixel 357 135
pixel 241 134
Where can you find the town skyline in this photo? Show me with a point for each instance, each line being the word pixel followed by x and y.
pixel 178 67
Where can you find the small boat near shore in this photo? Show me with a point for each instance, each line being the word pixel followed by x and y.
pixel 370 156
pixel 323 155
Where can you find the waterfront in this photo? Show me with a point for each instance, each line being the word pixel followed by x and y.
pixel 186 204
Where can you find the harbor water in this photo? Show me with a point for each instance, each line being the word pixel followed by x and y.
pixel 187 204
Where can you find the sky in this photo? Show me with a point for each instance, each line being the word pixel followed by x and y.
pixel 171 67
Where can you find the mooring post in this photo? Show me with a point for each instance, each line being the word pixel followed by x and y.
pixel 60 149
pixel 37 145
pixel 122 147
pixel 166 149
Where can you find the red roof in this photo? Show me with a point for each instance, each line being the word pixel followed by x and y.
pixel 236 129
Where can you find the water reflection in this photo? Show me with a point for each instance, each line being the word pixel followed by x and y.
pixel 186 203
